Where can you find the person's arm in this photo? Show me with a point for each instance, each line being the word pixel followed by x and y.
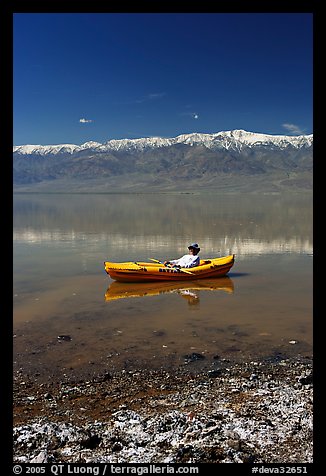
pixel 178 262
pixel 171 261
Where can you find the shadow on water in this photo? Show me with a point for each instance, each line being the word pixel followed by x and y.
pixel 238 275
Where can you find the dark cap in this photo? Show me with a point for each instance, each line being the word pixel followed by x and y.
pixel 194 246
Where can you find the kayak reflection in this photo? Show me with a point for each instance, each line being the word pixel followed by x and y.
pixel 188 290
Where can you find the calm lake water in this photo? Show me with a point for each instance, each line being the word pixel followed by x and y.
pixel 263 309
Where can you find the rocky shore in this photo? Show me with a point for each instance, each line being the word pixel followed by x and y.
pixel 252 412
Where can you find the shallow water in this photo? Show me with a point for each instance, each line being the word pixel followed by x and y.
pixel 263 309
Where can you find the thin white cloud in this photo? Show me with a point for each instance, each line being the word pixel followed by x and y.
pixel 149 97
pixel 293 129
pixel 155 95
pixel 85 121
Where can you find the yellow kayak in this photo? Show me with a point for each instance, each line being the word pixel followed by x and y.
pixel 118 290
pixel 144 271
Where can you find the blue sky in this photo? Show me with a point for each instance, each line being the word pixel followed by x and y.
pixel 89 76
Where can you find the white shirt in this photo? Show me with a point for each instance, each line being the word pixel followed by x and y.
pixel 187 261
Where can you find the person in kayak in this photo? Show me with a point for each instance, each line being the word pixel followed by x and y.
pixel 187 261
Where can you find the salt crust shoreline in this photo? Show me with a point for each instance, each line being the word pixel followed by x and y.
pixel 254 412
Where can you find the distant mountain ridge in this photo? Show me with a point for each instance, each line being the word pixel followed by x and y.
pixel 236 139
pixel 154 162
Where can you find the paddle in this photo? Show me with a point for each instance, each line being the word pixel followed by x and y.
pixel 181 269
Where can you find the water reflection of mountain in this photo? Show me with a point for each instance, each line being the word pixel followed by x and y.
pixel 188 290
pixel 241 224
pixel 240 246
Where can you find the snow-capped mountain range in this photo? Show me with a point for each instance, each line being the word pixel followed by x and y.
pixel 225 140
pixel 188 161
